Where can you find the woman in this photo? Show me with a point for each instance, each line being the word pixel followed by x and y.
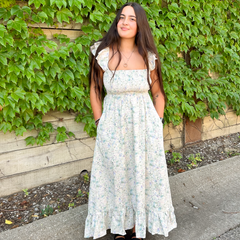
pixel 129 186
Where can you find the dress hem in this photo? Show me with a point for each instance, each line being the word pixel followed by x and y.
pixel 156 222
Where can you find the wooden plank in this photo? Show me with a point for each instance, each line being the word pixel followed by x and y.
pixel 16 183
pixel 72 34
pixel 176 142
pixel 71 26
pixel 57 115
pixel 45 156
pixel 170 131
pixel 21 3
pixel 220 132
pixel 10 142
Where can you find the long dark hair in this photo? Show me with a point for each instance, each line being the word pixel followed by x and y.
pixel 143 40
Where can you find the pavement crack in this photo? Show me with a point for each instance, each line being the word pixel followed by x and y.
pixel 2 172
pixel 85 144
pixel 73 157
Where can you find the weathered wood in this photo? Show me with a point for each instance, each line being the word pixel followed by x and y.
pixel 10 142
pixel 70 26
pixel 17 182
pixel 41 157
pixel 72 34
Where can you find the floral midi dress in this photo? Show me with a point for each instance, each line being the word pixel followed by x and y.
pixel 129 179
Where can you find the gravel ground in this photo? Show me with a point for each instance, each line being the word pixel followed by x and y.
pixel 39 202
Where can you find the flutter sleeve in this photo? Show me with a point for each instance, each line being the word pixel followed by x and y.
pixel 102 57
pixel 151 59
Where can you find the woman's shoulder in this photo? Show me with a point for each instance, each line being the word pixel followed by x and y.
pixel 95 46
pixel 102 57
pixel 151 58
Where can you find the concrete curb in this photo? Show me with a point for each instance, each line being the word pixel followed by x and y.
pixel 206 202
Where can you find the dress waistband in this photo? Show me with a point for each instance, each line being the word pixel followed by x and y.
pixel 127 93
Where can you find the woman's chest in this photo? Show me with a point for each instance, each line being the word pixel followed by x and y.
pixel 126 80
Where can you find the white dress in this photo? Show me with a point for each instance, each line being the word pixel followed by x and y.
pixel 129 179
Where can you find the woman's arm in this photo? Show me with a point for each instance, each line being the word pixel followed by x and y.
pixel 96 103
pixel 158 98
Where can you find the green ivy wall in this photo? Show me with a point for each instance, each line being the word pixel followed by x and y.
pixel 39 74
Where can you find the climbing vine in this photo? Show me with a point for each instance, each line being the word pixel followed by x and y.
pixel 193 38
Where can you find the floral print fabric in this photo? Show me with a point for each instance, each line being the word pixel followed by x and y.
pixel 129 179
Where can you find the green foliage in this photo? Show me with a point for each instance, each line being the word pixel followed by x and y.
pixel 71 205
pixel 7 3
pixel 194 159
pixel 25 191
pixel 86 177
pixel 79 194
pixel 47 211
pixel 176 157
pixel 39 75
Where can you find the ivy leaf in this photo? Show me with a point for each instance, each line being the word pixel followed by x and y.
pixel 96 34
pixel 108 3
pixel 61 129
pixel 20 131
pixel 84 40
pixel 5 126
pixel 16 24
pixel 37 3
pixel 46 98
pixel 61 137
pixel 34 63
pixel 96 15
pixel 3 59
pixel 39 78
pixel 101 7
pixel 87 28
pixel 71 134
pixel 51 44
pixel 37 120
pixel 18 94
pixel 2 30
pixel 67 75
pixel 8 111
pixel 43 16
pixel 26 9
pixel 16 10
pixel 54 69
pixel 63 15
pixel 27 114
pixel 17 122
pixel 30 140
pixel 31 97
pixel 77 92
pixel 234 35
pixel 75 2
pixel 4 14
pixel 79 19
pixel 214 114
pixel 59 3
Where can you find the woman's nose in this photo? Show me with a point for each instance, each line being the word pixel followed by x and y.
pixel 125 21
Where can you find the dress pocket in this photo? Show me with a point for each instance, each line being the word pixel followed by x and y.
pixel 156 115
pixel 100 123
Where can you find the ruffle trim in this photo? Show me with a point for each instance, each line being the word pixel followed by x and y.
pixel 97 223
pixel 102 57
pixel 151 58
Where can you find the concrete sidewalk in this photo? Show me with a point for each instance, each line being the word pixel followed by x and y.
pixel 206 202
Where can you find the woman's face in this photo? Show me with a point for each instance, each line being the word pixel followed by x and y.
pixel 127 25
